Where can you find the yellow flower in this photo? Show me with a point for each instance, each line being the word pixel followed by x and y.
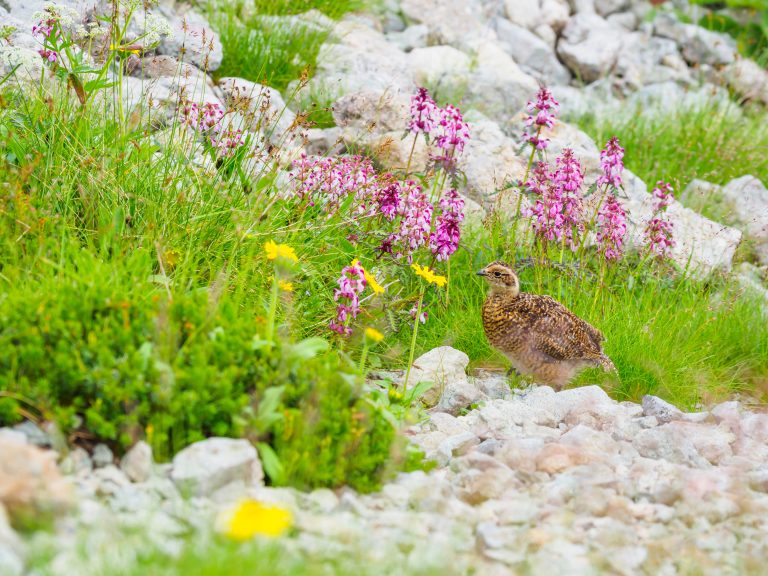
pixel 275 250
pixel 284 285
pixel 172 258
pixel 374 334
pixel 429 276
pixel 253 518
pixel 370 279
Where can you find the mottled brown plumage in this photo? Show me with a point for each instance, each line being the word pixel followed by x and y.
pixel 540 336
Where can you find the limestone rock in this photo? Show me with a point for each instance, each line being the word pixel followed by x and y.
pixel 137 462
pixel 210 465
pixel 262 107
pixel 193 39
pixel 748 198
pixel 698 45
pixel 590 46
pixel 533 54
pixel 748 79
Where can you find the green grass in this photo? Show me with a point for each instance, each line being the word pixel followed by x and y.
pixel 686 144
pixel 684 340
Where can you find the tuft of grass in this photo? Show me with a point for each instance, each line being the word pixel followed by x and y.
pixel 679 146
pixel 332 8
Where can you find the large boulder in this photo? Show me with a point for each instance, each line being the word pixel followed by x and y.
pixel 590 46
pixel 645 59
pixel 192 38
pixel 747 197
pixel 445 368
pixel 442 17
pixel 748 79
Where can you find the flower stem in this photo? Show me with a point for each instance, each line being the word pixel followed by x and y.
pixel 410 156
pixel 520 197
pixel 272 312
pixel 413 340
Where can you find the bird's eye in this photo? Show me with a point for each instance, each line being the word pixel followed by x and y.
pixel 497 274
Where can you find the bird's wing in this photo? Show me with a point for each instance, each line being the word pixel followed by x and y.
pixel 555 330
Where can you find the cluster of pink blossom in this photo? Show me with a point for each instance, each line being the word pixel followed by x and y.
pixel 44 28
pixel 541 114
pixel 611 228
pixel 612 163
pixel 423 317
pixel 415 223
pixel 445 125
pixel 351 284
pixel 558 210
pixel 208 120
pixel 327 182
pixel 424 113
pixel 658 231
pixel 444 241
pixel 390 201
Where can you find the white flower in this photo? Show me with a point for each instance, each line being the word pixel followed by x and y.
pixel 156 27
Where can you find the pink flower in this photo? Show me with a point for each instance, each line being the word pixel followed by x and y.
pixel 415 224
pixel 541 114
pixel 612 163
pixel 210 117
pixel 568 178
pixel 49 55
pixel 445 239
pixel 351 283
pixel 228 142
pixel 662 195
pixel 423 317
pixel 612 228
pixel 451 135
pixel 424 113
pixel 658 231
pixel 389 201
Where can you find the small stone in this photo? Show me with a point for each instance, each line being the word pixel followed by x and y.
pixel 662 410
pixel 35 435
pixel 137 462
pixel 102 456
pixel 77 462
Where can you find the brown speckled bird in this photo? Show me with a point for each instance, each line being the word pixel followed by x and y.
pixel 540 336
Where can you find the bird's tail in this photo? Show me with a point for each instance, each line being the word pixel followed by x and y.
pixel 605 363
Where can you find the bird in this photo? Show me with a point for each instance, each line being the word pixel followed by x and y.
pixel 540 337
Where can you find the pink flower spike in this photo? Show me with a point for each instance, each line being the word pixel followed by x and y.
pixel 612 163
pixel 424 113
pixel 541 114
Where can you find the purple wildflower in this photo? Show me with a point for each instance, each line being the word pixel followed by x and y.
pixel 612 227
pixel 43 28
pixel 658 231
pixel 49 55
pixel 452 134
pixel 228 141
pixel 415 224
pixel 424 113
pixel 541 114
pixel 662 195
pixel 546 213
pixel 422 318
pixel 329 181
pixel 445 239
pixel 210 117
pixel 389 201
pixel 351 283
pixel 190 114
pixel 612 163
pixel 568 178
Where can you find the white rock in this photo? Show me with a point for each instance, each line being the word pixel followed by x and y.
pixel 524 13
pixel 497 86
pixel 531 53
pixel 444 67
pixel 699 46
pixel 192 32
pixel 669 443
pixel 262 107
pixel 442 17
pixel 440 366
pixel 645 59
pixel 607 7
pixel 748 198
pixel 748 79
pixel 102 456
pixel 137 463
pixel 663 411
pixel 590 46
pixel 212 464
pixel 412 37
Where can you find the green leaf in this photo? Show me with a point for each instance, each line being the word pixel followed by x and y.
pixel 307 348
pixel 273 468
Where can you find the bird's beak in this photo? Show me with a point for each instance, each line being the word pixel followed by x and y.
pixel 482 273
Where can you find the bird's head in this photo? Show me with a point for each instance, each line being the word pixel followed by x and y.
pixel 501 277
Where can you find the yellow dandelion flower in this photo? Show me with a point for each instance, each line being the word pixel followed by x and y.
pixel 370 279
pixel 429 275
pixel 275 250
pixel 286 286
pixel 253 518
pixel 373 334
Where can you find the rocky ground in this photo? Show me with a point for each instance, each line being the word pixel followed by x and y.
pixel 529 481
